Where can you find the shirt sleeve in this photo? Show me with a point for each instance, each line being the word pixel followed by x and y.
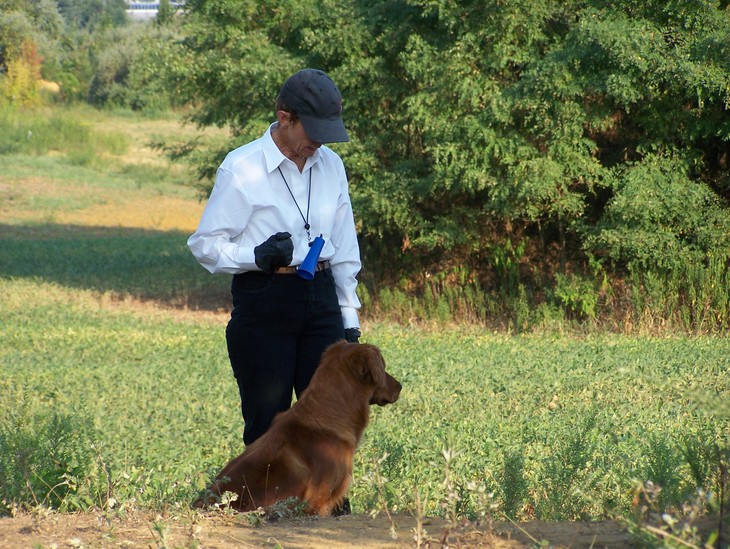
pixel 346 262
pixel 224 218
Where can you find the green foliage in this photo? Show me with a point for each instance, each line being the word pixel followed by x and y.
pixel 522 142
pixel 227 48
pixel 514 485
pixel 578 296
pixel 127 64
pixel 89 48
pixel 477 126
pixel 35 133
pixel 165 13
pixel 19 86
pixel 44 456
pixel 114 59
pixel 659 219
pixel 16 28
pixel 555 427
pixel 672 234
pixel 93 15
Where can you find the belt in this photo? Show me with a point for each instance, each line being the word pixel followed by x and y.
pixel 321 266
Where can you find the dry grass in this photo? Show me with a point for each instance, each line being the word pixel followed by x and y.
pixel 142 132
pixel 44 201
pixel 161 213
pixel 127 199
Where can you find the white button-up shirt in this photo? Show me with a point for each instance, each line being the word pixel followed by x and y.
pixel 250 202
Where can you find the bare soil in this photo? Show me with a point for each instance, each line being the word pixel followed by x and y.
pixel 139 529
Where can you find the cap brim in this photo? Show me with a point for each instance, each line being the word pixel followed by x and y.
pixel 324 130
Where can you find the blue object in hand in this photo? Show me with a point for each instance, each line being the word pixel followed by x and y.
pixel 309 266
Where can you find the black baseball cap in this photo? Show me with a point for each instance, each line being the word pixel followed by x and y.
pixel 318 103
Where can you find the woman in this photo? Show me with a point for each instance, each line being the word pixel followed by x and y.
pixel 271 199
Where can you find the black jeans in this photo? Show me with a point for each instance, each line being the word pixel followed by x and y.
pixel 279 328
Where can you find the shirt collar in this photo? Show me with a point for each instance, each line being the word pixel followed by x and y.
pixel 274 157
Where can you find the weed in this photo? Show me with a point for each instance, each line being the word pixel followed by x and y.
pixel 161 531
pixel 374 477
pixel 45 456
pixel 677 528
pixel 289 508
pixel 513 483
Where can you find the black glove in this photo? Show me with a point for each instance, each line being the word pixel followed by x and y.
pixel 352 335
pixel 276 252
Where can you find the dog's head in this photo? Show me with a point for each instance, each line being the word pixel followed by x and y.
pixel 366 363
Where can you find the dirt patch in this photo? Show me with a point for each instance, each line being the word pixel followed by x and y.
pixel 138 529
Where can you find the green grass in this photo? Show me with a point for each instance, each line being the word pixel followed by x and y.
pixel 575 422
pixel 113 392
pixel 39 132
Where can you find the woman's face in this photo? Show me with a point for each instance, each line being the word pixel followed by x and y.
pixel 293 140
pixel 299 140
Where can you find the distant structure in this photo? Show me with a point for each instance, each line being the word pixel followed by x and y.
pixel 142 11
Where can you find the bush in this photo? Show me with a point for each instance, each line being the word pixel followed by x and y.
pixel 45 457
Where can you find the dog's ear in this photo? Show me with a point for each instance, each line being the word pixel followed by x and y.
pixel 371 364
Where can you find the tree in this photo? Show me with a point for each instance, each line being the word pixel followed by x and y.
pixel 27 33
pixel 486 132
pixel 165 13
pixel 16 28
pixel 20 84
pixel 91 15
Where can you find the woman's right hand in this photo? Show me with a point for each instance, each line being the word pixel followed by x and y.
pixel 276 252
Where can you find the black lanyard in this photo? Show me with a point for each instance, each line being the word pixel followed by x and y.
pixel 309 201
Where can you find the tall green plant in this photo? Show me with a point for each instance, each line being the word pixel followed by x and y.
pixel 477 124
pixel 44 457
pixel 673 234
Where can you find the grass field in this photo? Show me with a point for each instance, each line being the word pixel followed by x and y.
pixel 115 387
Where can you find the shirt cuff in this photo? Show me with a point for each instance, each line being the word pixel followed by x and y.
pixel 245 259
pixel 349 317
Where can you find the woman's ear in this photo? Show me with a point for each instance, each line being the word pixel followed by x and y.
pixel 284 118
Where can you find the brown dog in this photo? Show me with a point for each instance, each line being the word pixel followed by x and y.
pixel 307 452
